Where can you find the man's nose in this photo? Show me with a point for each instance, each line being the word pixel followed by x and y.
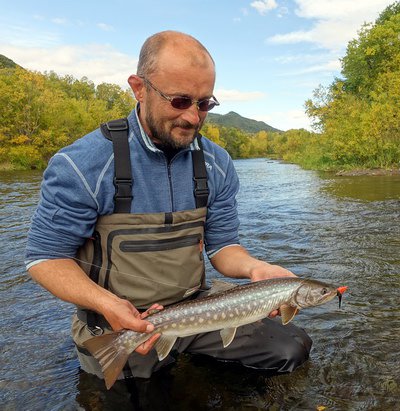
pixel 192 115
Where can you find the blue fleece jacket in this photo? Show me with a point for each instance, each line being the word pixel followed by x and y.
pixel 78 187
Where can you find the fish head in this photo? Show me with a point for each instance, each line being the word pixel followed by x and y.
pixel 311 293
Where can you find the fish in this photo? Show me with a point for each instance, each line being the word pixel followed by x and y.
pixel 226 307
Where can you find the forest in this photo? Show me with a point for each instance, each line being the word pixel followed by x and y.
pixel 356 119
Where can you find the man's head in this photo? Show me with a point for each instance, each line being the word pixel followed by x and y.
pixel 173 64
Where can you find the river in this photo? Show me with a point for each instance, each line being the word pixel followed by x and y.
pixel 343 230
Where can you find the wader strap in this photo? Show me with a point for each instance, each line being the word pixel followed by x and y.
pixel 200 176
pixel 118 130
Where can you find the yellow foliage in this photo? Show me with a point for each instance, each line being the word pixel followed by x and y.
pixel 21 139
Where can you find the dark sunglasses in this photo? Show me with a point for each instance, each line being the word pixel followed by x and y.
pixel 183 103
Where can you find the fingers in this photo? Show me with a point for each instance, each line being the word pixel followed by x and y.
pixel 144 348
pixel 139 325
pixel 273 314
pixel 123 315
pixel 155 308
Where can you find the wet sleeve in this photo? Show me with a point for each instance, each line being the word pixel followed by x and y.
pixel 222 223
pixel 66 213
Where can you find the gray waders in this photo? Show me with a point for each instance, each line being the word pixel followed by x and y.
pixel 158 258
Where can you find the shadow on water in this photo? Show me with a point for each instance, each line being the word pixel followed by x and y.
pixel 194 383
pixel 344 230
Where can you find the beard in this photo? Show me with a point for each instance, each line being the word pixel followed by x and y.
pixel 162 131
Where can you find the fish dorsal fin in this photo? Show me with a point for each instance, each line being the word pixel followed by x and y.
pixel 218 286
pixel 164 345
pixel 227 335
pixel 287 313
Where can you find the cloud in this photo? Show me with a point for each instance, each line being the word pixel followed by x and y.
pixel 282 11
pixel 335 22
pixel 105 27
pixel 264 6
pixel 91 60
pixel 59 20
pixel 236 95
pixel 286 120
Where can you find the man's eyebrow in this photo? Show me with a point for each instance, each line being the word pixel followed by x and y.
pixel 177 94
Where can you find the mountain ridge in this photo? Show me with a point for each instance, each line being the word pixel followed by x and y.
pixel 233 119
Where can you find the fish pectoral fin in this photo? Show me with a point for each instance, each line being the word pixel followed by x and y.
pixel 164 345
pixel 227 335
pixel 287 313
pixel 218 286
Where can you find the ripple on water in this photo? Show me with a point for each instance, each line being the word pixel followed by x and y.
pixel 289 216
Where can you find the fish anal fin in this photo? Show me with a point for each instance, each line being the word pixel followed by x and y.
pixel 288 312
pixel 218 286
pixel 164 345
pixel 227 335
pixel 108 353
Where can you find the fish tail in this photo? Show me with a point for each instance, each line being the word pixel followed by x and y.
pixel 110 354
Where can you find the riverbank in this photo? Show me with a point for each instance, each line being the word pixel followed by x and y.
pixel 369 172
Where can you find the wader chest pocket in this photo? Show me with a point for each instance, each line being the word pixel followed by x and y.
pixel 135 246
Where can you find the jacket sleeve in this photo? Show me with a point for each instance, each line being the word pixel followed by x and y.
pixel 222 222
pixel 66 213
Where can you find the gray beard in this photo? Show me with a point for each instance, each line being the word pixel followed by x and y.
pixel 165 139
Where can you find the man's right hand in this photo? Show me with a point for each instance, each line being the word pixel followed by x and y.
pixel 66 280
pixel 123 315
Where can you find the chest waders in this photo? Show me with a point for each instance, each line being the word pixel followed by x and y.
pixel 144 258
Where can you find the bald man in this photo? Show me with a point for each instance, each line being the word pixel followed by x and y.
pixel 126 210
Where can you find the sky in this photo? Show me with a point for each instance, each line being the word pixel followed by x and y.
pixel 270 54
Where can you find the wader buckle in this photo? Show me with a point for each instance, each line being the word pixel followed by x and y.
pixel 96 330
pixel 123 188
pixel 117 125
pixel 200 187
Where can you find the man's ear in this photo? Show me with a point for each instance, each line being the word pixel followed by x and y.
pixel 137 86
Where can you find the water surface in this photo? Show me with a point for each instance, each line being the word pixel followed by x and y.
pixel 344 230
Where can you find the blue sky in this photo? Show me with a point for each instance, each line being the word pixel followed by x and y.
pixel 270 54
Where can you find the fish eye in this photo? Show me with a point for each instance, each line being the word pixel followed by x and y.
pixel 324 291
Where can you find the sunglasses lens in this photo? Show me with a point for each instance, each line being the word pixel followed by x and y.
pixel 181 103
pixel 206 105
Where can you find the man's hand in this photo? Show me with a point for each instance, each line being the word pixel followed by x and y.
pixel 123 315
pixel 264 271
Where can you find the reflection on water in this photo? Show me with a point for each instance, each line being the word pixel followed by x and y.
pixel 344 230
pixel 364 188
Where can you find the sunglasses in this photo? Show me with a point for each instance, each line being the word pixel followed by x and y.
pixel 183 103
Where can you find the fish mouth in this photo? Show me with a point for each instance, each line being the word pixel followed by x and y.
pixel 339 293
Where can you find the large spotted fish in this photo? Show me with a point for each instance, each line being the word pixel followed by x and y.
pixel 222 310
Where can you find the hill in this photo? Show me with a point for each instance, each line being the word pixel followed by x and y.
pixel 5 62
pixel 233 119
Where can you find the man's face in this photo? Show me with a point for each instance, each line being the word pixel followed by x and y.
pixel 165 124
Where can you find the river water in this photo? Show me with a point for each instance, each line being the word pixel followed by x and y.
pixel 343 230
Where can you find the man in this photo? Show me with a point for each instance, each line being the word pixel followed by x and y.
pixel 121 222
